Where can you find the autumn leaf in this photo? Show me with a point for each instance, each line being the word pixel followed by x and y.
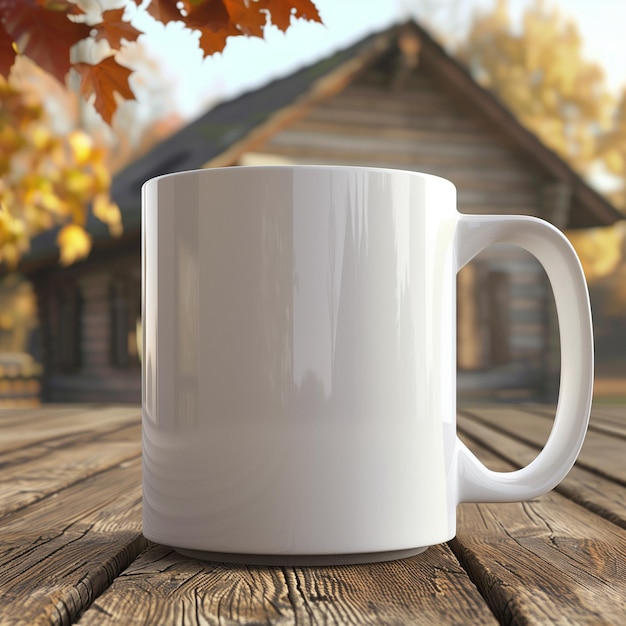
pixel 7 52
pixel 113 28
pixel 49 179
pixel 81 145
pixel 42 34
pixel 219 19
pixel 104 79
pixel 213 21
pixel 74 243
pixel 165 11
pixel 249 20
pixel 69 8
pixel 282 11
pixel 211 14
pixel 43 31
pixel 108 212
pixel 599 249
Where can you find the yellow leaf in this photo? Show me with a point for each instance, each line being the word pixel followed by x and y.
pixel 78 182
pixel 108 212
pixel 10 254
pixel 599 249
pixel 614 160
pixel 40 137
pixel 50 201
pixel 81 145
pixel 74 243
pixel 101 176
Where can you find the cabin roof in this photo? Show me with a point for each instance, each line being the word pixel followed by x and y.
pixel 222 134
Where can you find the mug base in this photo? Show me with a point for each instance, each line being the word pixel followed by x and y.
pixel 300 559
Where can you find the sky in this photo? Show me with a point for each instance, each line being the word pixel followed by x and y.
pixel 186 83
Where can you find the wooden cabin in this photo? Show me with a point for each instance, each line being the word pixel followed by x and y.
pixel 395 99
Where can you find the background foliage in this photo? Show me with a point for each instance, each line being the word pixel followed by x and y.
pixel 50 177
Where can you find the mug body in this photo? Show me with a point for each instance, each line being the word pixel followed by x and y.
pixel 299 362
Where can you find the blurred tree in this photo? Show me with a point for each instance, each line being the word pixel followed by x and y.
pixel 51 176
pixel 612 151
pixel 540 74
pixel 48 178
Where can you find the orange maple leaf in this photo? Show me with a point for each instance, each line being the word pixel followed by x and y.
pixel 283 10
pixel 43 34
pixel 165 11
pixel 104 79
pixel 113 28
pixel 218 19
pixel 214 22
pixel 70 8
pixel 250 19
pixel 7 52
pixel 210 14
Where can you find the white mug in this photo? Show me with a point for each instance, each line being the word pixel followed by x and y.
pixel 299 392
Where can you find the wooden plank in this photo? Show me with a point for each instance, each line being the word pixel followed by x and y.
pixel 548 561
pixel 393 133
pixel 426 162
pixel 30 474
pixel 610 420
pixel 60 553
pixel 356 96
pixel 388 146
pixel 48 423
pixel 163 586
pixel 10 418
pixel 613 413
pixel 341 115
pixel 601 453
pixel 597 493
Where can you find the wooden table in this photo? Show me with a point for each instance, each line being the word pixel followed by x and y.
pixel 71 549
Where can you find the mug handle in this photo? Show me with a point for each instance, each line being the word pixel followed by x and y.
pixel 476 482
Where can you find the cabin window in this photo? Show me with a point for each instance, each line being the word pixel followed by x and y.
pixel 125 320
pixel 68 325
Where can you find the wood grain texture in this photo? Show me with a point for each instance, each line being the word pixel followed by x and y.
pixel 548 561
pixel 71 547
pixel 45 468
pixel 587 488
pixel 70 510
pixel 615 414
pixel 602 453
pixel 57 556
pixel 610 419
pixel 23 427
pixel 162 586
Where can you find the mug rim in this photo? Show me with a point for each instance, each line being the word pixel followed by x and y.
pixel 303 166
